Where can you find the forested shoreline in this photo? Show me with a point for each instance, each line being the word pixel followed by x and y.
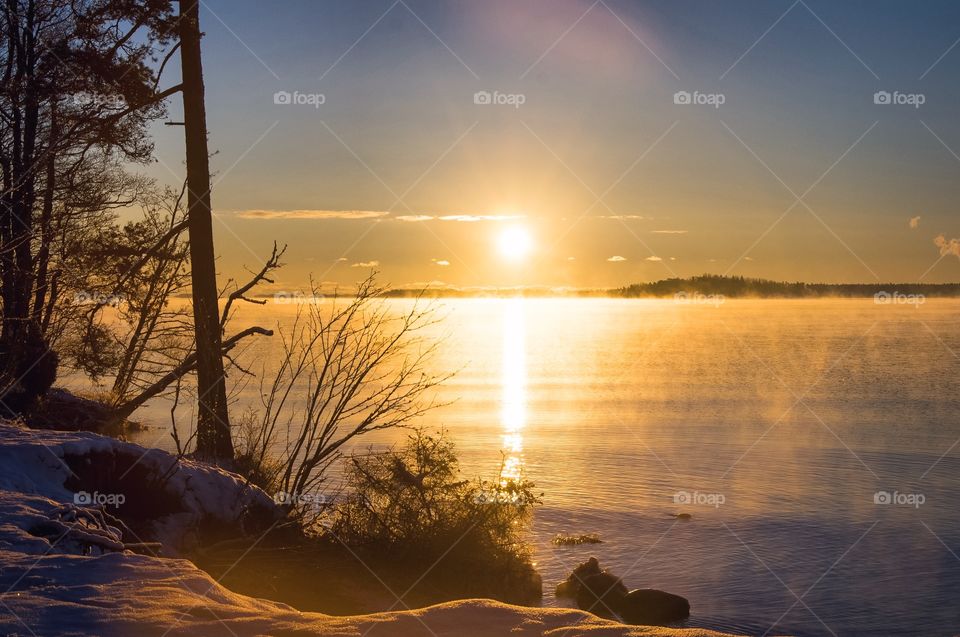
pixel 707 284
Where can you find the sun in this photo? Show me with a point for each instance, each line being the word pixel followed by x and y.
pixel 515 243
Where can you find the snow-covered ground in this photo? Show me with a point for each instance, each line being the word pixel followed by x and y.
pixel 67 568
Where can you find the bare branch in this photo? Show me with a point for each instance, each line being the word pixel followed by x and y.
pixel 269 266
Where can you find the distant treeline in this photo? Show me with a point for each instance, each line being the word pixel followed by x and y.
pixel 706 285
pixel 531 292
pixel 739 287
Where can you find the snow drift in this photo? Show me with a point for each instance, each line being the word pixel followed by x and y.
pixel 178 503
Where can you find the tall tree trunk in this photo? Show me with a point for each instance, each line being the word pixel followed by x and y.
pixel 213 425
pixel 46 219
pixel 27 366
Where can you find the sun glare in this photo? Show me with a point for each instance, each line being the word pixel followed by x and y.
pixel 515 243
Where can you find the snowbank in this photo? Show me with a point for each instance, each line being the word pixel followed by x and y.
pixel 64 569
pixel 161 499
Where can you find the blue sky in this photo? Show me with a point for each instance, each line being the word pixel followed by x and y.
pixel 797 174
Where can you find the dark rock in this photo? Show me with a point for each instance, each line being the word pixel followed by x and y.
pixel 601 594
pixel 604 594
pixel 570 586
pixel 648 606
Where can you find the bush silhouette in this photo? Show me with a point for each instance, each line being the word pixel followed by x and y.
pixel 412 504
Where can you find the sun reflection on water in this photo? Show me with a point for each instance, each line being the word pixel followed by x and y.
pixel 513 414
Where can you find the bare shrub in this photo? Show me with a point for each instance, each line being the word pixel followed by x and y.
pixel 349 366
pixel 258 469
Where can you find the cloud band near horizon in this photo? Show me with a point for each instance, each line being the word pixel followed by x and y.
pixel 366 215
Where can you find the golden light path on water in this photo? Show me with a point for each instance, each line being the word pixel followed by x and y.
pixel 513 413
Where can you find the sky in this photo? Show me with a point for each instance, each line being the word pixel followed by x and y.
pixel 626 141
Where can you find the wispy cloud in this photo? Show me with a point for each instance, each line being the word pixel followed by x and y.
pixel 669 231
pixel 311 214
pixel 441 262
pixel 653 258
pixel 914 222
pixel 616 259
pixel 951 246
pixel 367 214
pixel 623 217
pixel 471 218
pixel 365 264
pixel 463 218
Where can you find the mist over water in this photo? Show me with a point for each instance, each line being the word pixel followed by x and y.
pixel 779 425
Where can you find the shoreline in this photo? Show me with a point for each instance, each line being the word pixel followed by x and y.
pixel 93 583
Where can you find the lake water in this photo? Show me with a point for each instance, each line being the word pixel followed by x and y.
pixel 775 423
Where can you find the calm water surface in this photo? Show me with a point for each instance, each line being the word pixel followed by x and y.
pixel 774 423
